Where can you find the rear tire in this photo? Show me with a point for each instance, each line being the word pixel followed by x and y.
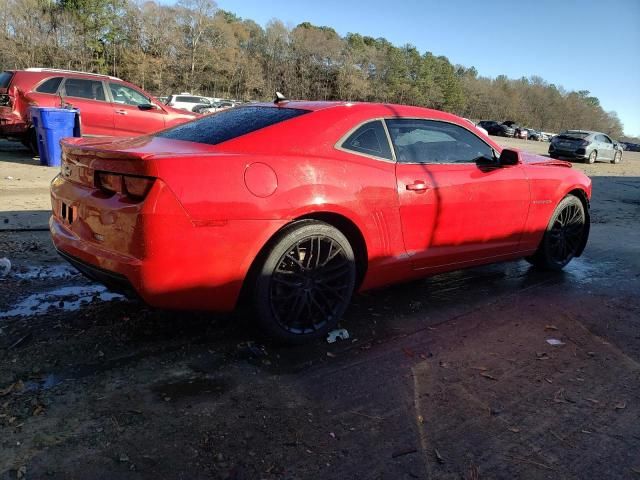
pixel 554 155
pixel 30 141
pixel 617 157
pixel 591 159
pixel 564 235
pixel 305 283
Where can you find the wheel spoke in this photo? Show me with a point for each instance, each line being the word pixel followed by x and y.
pixel 310 284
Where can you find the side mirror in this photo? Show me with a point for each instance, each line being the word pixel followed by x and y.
pixel 147 106
pixel 509 157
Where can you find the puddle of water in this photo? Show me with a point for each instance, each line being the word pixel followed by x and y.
pixel 65 298
pixel 45 383
pixel 45 273
pixel 192 387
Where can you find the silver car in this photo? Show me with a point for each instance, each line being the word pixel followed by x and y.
pixel 585 145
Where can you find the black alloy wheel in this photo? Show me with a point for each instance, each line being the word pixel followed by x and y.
pixel 564 237
pixel 306 282
pixel 566 233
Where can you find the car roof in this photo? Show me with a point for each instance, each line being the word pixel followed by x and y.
pixel 388 110
pixel 590 132
pixel 67 72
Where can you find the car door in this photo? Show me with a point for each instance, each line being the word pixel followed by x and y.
pixel 454 210
pixel 88 96
pixel 133 112
pixel 607 147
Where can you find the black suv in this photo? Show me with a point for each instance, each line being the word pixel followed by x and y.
pixel 495 128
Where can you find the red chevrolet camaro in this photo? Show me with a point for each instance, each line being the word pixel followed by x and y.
pixel 293 206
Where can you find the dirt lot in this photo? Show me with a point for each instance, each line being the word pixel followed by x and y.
pixel 449 377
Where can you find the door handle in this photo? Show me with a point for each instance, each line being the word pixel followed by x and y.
pixel 121 112
pixel 417 186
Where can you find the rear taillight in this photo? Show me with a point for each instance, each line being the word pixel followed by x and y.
pixel 129 185
pixel 137 186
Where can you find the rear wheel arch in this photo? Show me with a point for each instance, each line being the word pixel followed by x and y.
pixel 584 198
pixel 342 223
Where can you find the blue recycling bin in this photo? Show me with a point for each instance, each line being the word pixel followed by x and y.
pixel 52 125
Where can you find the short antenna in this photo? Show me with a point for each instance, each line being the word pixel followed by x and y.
pixel 280 98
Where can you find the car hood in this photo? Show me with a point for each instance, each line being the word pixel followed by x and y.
pixel 533 159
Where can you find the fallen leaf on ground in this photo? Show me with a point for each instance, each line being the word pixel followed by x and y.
pixel 558 397
pixel 550 327
pixel 408 352
pixel 438 456
pixel 420 419
pixel 6 391
pixel 621 405
pixel 514 429
pixel 488 375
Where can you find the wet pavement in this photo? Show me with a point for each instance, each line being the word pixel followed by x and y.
pixel 501 371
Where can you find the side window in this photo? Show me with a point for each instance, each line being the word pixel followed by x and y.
pixel 128 96
pixel 369 139
pixel 80 88
pixel 431 141
pixel 606 139
pixel 49 86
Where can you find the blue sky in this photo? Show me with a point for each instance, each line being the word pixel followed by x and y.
pixel 580 45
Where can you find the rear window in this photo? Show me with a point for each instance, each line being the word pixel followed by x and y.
pixel 5 79
pixel 573 135
pixel 191 99
pixel 232 123
pixel 50 86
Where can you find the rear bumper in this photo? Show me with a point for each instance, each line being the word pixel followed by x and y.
pixel 580 153
pixel 113 281
pixel 155 250
pixel 11 125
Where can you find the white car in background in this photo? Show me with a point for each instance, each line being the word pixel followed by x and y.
pixel 477 127
pixel 215 106
pixel 187 101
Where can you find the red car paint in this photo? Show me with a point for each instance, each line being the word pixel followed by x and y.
pixel 99 117
pixel 189 244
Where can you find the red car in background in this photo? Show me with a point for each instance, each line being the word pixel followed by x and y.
pixel 293 206
pixel 108 106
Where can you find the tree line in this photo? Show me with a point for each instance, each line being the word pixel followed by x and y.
pixel 194 46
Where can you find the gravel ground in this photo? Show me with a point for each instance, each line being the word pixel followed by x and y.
pixel 448 377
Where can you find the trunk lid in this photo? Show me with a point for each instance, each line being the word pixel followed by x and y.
pixel 82 157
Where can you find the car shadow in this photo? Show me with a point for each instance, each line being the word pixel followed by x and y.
pixel 15 152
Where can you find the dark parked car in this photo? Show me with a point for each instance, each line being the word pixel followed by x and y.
pixel 585 145
pixel 518 131
pixel 534 135
pixel 495 128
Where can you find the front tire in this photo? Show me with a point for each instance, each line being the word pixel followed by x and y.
pixel 564 236
pixel 617 157
pixel 305 283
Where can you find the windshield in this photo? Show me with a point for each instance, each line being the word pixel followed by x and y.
pixel 5 79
